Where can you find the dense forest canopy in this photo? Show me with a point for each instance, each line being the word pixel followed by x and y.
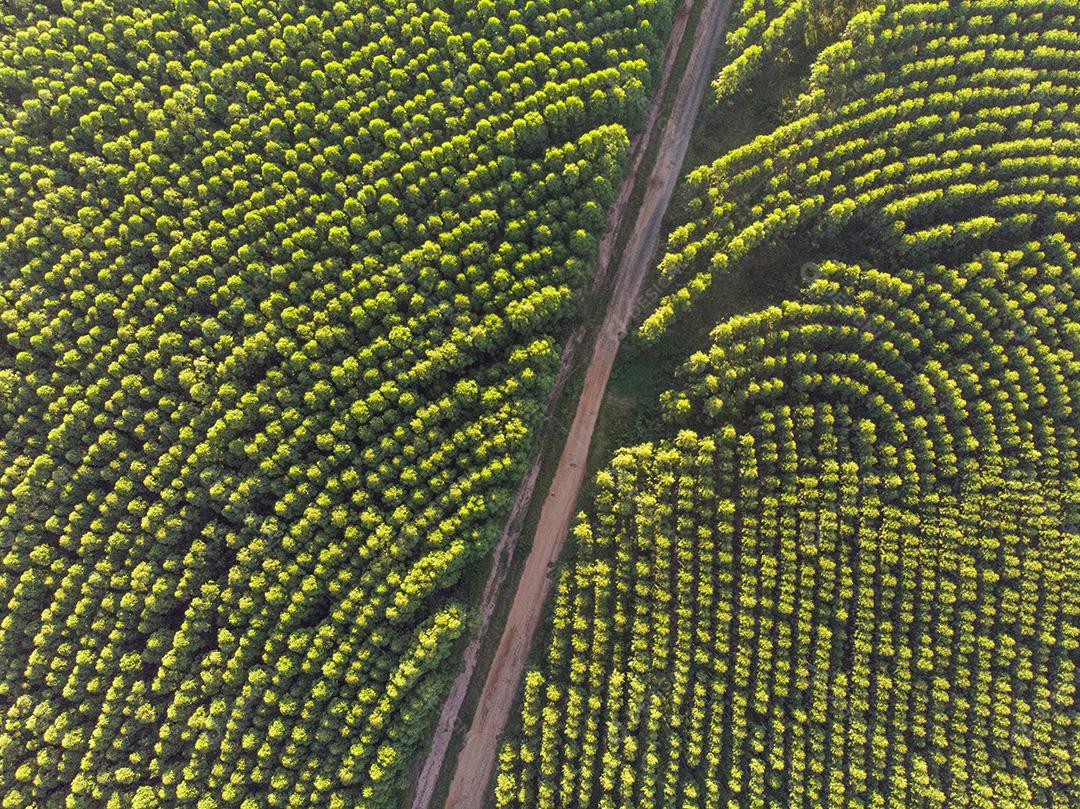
pixel 847 574
pixel 283 289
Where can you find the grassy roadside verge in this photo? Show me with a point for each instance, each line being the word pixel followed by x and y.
pixel 631 411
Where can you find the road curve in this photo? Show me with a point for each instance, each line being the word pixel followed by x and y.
pixel 476 760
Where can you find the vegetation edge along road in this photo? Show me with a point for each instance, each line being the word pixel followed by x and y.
pixel 426 786
pixel 475 763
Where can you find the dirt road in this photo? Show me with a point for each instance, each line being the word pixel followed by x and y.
pixel 476 761
pixel 502 553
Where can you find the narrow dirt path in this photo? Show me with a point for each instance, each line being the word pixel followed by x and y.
pixel 476 761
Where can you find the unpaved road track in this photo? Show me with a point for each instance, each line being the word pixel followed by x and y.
pixel 476 760
pixel 502 554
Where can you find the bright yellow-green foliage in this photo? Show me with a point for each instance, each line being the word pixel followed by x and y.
pixel 762 31
pixel 930 126
pixel 851 576
pixel 280 291
pixel 857 584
